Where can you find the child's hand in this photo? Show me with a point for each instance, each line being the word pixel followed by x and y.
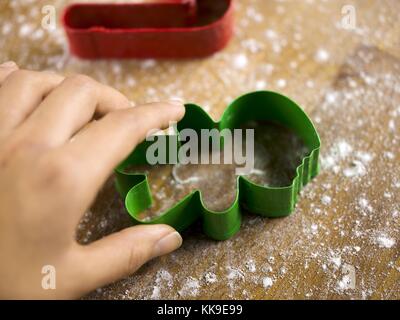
pixel 50 172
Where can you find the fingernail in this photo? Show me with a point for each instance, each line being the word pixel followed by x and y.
pixel 8 64
pixel 167 244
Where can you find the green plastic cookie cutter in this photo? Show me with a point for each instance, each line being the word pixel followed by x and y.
pixel 262 200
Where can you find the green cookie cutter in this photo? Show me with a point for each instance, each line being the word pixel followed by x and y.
pixel 266 201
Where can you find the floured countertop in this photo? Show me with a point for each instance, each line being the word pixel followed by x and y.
pixel 343 239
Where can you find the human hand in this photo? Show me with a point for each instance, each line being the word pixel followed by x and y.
pixel 52 164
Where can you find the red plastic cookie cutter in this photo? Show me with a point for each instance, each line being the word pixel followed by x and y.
pixel 161 29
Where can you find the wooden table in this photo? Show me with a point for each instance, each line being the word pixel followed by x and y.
pixel 343 239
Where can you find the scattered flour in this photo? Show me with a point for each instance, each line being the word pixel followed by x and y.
pixel 251 266
pixel 344 283
pixel 6 29
pixel 252 45
pixel 314 228
pixel 190 288
pixel 364 156
pixel 331 97
pixel 148 63
pixel 337 261
pixel 234 274
pixel 341 152
pixel 267 282
pixel 384 241
pixel 240 61
pixel 156 293
pixel 210 277
pixel 26 30
pixel 357 169
pixel 271 34
pixel 163 280
pixel 281 83
pixel 364 205
pixel 326 200
pixel 322 55
pixel 261 85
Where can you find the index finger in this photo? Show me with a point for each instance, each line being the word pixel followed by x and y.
pixel 108 141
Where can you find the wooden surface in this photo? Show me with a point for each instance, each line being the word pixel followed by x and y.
pixel 347 220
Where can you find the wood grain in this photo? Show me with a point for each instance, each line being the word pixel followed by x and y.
pixel 346 219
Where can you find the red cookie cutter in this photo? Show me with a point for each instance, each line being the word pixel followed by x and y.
pixel 161 29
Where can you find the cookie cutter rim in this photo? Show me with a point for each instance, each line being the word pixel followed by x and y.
pixel 221 225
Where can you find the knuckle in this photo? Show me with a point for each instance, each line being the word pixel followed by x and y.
pixel 58 172
pixel 33 81
pixel 120 99
pixel 52 77
pixel 19 149
pixel 136 259
pixel 83 82
pixel 123 101
pixel 24 76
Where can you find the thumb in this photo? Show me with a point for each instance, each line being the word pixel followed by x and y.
pixel 122 253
